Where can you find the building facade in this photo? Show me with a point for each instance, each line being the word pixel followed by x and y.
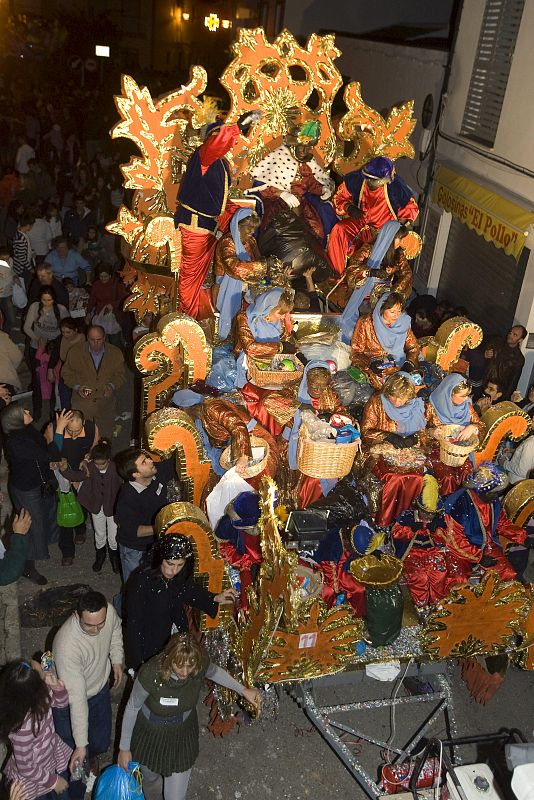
pixel 478 221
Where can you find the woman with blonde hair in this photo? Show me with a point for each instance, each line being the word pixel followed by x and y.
pixel 395 415
pixel 160 724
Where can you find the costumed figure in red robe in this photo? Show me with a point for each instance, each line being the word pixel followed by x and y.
pixel 238 538
pixel 238 264
pixel 480 521
pixel 367 199
pixel 203 208
pixel 395 417
pixel 422 541
pixel 260 332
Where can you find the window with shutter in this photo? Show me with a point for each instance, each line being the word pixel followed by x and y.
pixel 496 44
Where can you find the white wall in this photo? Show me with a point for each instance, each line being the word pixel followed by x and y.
pixel 514 141
pixel 515 135
pixel 390 75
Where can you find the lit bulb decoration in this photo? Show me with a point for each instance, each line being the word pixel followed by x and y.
pixel 212 22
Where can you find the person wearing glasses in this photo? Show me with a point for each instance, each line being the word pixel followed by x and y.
pixel 94 370
pixel 88 651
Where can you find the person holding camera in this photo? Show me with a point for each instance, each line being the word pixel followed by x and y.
pixel 32 484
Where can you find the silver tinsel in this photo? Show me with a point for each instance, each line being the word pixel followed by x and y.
pixel 217 644
pixel 269 703
pixel 405 646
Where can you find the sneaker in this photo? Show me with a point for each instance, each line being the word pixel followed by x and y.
pixel 67 562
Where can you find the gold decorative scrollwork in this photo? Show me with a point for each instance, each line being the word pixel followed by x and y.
pixel 283 636
pixel 171 429
pixel 453 336
pixel 476 620
pixel 371 133
pixel 503 421
pixel 518 504
pixel 177 355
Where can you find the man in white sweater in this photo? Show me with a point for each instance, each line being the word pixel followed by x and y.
pixel 87 647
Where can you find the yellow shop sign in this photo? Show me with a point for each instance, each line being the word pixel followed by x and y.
pixel 496 219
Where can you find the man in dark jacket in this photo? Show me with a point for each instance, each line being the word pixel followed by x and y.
pixel 506 361
pixel 140 498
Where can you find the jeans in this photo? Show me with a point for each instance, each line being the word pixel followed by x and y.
pixel 99 731
pixel 66 540
pixel 44 528
pixel 65 394
pixel 52 795
pixel 130 560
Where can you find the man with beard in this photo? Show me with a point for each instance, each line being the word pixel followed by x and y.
pixel 506 361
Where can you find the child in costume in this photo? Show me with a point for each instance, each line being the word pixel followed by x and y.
pixel 315 392
pixel 238 538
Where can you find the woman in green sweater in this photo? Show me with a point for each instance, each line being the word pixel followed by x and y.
pixel 160 723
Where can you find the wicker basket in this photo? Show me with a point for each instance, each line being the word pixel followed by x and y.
pixel 251 471
pixel 324 459
pixel 453 455
pixel 269 378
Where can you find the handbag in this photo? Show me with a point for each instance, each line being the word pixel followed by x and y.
pixel 48 487
pixel 69 511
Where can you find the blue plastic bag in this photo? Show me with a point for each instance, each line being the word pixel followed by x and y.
pixel 223 373
pixel 116 784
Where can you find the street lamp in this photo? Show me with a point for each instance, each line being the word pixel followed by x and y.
pixel 212 22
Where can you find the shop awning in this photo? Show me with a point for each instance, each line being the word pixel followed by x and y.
pixel 498 220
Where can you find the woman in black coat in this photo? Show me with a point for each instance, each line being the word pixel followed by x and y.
pixel 32 484
pixel 156 596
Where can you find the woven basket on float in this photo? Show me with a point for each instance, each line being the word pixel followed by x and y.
pixel 268 378
pixel 226 461
pixel 453 454
pixel 324 459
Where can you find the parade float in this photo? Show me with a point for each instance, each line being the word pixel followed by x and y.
pixel 285 631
